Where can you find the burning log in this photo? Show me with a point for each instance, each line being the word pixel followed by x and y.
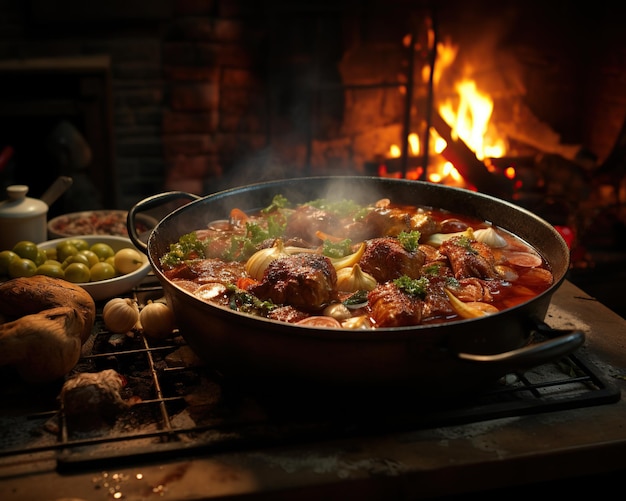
pixel 464 160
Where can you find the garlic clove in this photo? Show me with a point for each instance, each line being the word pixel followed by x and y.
pixel 353 278
pixel 260 260
pixel 338 311
pixel 489 236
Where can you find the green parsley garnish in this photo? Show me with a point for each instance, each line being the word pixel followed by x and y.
pixel 337 249
pixel 412 286
pixel 278 202
pixel 243 246
pixel 465 242
pixel 432 269
pixel 452 283
pixel 187 247
pixel 410 240
pixel 241 300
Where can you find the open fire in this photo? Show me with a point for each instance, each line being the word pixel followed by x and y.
pixel 462 140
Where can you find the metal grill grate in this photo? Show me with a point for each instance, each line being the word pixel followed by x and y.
pixel 184 408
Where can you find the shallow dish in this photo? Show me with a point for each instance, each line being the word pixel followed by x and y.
pixel 105 289
pixel 98 222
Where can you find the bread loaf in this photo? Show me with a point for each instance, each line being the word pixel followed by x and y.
pixel 47 322
pixel 28 295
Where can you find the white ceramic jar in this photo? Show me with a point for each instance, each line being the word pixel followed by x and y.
pixel 22 218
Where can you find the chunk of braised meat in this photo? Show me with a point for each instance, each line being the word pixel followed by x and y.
pixel 391 221
pixel 436 303
pixel 287 314
pixel 473 289
pixel 432 255
pixel 385 259
pixel 391 307
pixel 306 220
pixel 210 270
pixel 305 281
pixel 469 258
pixel 425 224
pixel 387 222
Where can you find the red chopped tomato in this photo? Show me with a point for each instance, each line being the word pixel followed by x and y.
pixel 245 282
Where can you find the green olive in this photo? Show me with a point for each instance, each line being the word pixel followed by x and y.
pixel 22 267
pixel 77 273
pixel 6 256
pixel 102 250
pixel 102 271
pixel 27 250
pixel 65 249
pixel 50 269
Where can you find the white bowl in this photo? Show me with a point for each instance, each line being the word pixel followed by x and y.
pixel 98 222
pixel 105 289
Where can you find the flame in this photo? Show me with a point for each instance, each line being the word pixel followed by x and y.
pixel 469 121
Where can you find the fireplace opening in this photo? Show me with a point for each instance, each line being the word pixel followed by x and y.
pixel 55 120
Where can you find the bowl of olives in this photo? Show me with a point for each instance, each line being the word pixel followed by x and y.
pixel 104 265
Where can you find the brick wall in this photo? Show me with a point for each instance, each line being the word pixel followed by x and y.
pixel 190 82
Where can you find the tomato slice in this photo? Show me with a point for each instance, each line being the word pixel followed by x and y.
pixel 524 259
pixel 320 321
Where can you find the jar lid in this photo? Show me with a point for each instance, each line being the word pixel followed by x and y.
pixel 19 205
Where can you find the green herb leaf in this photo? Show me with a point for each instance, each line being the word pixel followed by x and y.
pixel 278 202
pixel 187 247
pixel 410 240
pixel 337 249
pixel 412 286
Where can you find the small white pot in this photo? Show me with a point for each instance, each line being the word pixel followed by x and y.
pixel 22 218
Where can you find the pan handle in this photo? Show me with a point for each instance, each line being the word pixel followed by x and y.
pixel 562 343
pixel 151 203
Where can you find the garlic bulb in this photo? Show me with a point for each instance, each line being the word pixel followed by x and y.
pixel 490 237
pixel 353 279
pixel 157 320
pixel 259 261
pixel 120 314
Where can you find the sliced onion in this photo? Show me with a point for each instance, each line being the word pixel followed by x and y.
pixel 350 259
pixel 474 309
